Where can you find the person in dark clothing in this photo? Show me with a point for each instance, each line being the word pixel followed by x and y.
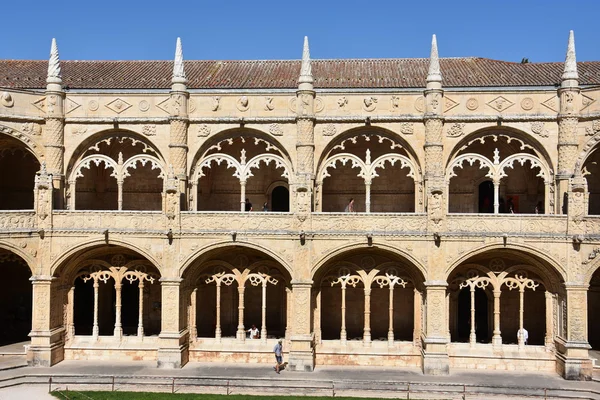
pixel 248 205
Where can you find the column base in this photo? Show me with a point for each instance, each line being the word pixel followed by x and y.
pixel 301 356
pixel 573 362
pixel 435 357
pixel 46 349
pixel 173 352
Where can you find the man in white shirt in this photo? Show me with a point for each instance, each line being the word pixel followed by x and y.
pixel 525 335
pixel 254 333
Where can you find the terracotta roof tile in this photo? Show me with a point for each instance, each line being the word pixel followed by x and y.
pixel 277 74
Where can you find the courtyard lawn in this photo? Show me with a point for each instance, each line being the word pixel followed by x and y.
pixel 74 395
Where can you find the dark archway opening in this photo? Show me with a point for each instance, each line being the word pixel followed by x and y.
pixel 594 311
pixel 280 199
pixel 486 197
pixel 464 316
pixel 17 177
pixel 84 302
pixel 15 300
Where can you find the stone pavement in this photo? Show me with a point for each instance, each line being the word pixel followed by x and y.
pixel 260 378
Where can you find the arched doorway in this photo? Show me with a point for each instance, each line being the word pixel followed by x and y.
pixel 280 199
pixel 15 301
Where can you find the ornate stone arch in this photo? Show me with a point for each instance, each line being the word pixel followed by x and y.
pixel 412 262
pixel 342 158
pixel 155 163
pixel 521 158
pixel 484 162
pixel 547 267
pixel 93 244
pixel 18 251
pixel 194 256
pixel 107 136
pixel 216 143
pixel 382 135
pixel 510 134
pixel 85 163
pixel 31 144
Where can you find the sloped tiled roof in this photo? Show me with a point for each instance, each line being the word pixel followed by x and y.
pixel 277 74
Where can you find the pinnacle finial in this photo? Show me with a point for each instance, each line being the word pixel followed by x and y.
pixel 570 71
pixel 306 69
pixel 178 71
pixel 434 74
pixel 54 64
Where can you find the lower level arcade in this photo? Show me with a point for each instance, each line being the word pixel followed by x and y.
pixel 505 309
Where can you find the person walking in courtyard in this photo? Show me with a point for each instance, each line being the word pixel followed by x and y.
pixel 350 206
pixel 278 350
pixel 248 205
pixel 265 207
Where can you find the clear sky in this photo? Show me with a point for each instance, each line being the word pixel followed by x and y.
pixel 274 29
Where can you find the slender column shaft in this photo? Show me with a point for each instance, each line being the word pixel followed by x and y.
pixel 417 317
pixel 241 332
pixel 71 314
pixel 194 196
pixel 243 196
pixel 496 196
pixel 120 194
pixel 473 335
pixel 218 323
pixel 263 329
pixel 368 197
pixel 73 189
pixel 391 318
pixel 343 329
pixel 95 327
pixel 367 327
pixel 118 326
pixel 193 305
pixel 497 338
pixel 549 342
pixel 140 331
pixel 521 338
pixel 318 318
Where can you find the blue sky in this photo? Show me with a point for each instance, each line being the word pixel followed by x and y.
pixel 274 29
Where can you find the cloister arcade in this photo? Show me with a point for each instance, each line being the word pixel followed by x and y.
pixel 496 171
pixel 496 294
pixel 368 299
pixel 228 290
pixel 110 295
pixel 374 167
pixel 241 164
pixel 116 171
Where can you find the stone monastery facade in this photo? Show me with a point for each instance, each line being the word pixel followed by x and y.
pixel 397 212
